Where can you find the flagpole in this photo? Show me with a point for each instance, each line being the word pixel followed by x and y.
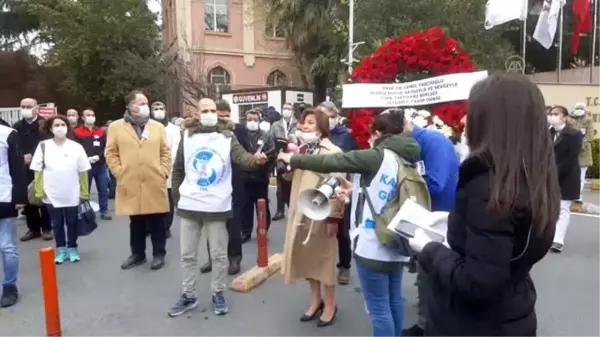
pixel 524 47
pixel 594 37
pixel 560 44
pixel 350 37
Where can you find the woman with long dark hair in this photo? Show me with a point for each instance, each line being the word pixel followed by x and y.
pixel 503 222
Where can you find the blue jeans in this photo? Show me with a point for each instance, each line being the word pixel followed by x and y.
pixel 9 251
pixel 99 173
pixel 383 295
pixel 64 217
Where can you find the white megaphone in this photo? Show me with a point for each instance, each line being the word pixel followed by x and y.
pixel 314 202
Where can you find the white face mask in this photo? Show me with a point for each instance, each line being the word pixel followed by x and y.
pixel 90 120
pixel 72 119
pixel 579 112
pixel 309 137
pixel 332 123
pixel 286 113
pixel 159 114
pixel 556 122
pixel 209 119
pixel 252 125
pixel 144 110
pixel 59 131
pixel 26 113
pixel 265 126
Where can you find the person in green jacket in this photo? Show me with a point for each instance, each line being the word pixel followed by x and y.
pixel 580 120
pixel 379 267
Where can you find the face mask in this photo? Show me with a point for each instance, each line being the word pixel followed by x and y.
pixel 72 119
pixel 252 126
pixel 553 120
pixel 144 110
pixel 209 119
pixel 286 113
pixel 265 126
pixel 309 137
pixel 26 113
pixel 90 120
pixel 159 114
pixel 59 131
pixel 332 123
pixel 579 112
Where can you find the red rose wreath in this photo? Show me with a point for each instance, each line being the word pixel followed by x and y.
pixel 411 57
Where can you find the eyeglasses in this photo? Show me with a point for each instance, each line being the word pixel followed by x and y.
pixel 208 110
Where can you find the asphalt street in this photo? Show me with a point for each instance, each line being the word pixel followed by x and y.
pixel 98 298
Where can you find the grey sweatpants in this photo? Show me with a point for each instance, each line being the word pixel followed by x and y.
pixel 216 232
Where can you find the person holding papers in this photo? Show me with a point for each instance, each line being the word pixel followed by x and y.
pixel 503 220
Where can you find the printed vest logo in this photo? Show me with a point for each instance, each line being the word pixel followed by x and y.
pixel 210 167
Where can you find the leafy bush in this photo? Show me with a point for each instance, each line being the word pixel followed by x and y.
pixel 594 170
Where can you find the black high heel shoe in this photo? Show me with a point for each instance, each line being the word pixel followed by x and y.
pixel 308 318
pixel 321 323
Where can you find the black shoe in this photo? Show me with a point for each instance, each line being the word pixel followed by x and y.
pixel 206 268
pixel 133 261
pixel 157 262
pixel 234 266
pixel 245 238
pixel 168 234
pixel 278 216
pixel 30 236
pixel 414 330
pixel 308 318
pixel 10 296
pixel 321 323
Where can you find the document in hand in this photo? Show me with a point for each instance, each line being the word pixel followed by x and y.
pixel 412 216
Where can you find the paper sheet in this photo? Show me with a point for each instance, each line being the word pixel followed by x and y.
pixel 412 216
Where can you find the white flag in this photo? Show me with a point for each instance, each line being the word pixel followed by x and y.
pixel 545 29
pixel 498 12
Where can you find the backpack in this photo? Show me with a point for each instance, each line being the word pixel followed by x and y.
pixel 410 185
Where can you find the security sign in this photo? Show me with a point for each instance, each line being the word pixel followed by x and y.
pixel 250 98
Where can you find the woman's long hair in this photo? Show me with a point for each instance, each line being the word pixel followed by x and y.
pixel 508 129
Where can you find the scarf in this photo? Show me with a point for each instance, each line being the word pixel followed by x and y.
pixel 137 124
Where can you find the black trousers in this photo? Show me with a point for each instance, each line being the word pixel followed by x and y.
pixel 138 225
pixel 344 243
pixel 169 216
pixel 254 191
pixel 37 218
pixel 284 188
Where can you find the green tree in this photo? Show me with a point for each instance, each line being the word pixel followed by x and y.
pixel 377 20
pixel 316 32
pixel 105 47
pixel 15 24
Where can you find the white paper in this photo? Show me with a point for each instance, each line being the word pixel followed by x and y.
pixel 432 222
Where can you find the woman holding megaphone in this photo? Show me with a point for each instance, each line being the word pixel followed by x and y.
pixel 310 249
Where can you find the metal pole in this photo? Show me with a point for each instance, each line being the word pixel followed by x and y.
pixel 560 44
pixel 524 47
pixel 594 37
pixel 350 36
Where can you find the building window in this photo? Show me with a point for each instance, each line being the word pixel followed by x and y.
pixel 216 16
pixel 276 79
pixel 219 79
pixel 273 30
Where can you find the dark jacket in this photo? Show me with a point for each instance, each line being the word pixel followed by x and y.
pixel 567 145
pixel 441 167
pixel 11 156
pixel 239 156
pixel 260 174
pixel 341 138
pixel 93 142
pixel 239 194
pixel 481 285
pixel 29 136
pixel 366 163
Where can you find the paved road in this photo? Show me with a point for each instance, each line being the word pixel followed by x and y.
pixel 97 298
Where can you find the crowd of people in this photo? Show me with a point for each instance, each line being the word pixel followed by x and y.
pixel 508 198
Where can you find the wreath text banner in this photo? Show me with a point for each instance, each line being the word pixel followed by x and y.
pixel 429 91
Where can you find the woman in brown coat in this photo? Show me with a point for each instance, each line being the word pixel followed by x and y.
pixel 313 259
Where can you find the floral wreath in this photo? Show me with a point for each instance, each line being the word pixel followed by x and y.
pixel 411 57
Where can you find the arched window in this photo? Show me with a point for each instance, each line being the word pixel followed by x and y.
pixel 276 79
pixel 219 78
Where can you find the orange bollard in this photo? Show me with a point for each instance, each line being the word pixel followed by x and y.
pixel 261 234
pixel 50 290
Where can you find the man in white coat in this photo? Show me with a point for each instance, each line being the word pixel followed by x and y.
pixel 159 113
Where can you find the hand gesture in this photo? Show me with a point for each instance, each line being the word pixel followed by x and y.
pixel 344 191
pixel 261 158
pixel 285 157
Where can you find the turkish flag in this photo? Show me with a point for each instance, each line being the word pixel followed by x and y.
pixel 583 22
